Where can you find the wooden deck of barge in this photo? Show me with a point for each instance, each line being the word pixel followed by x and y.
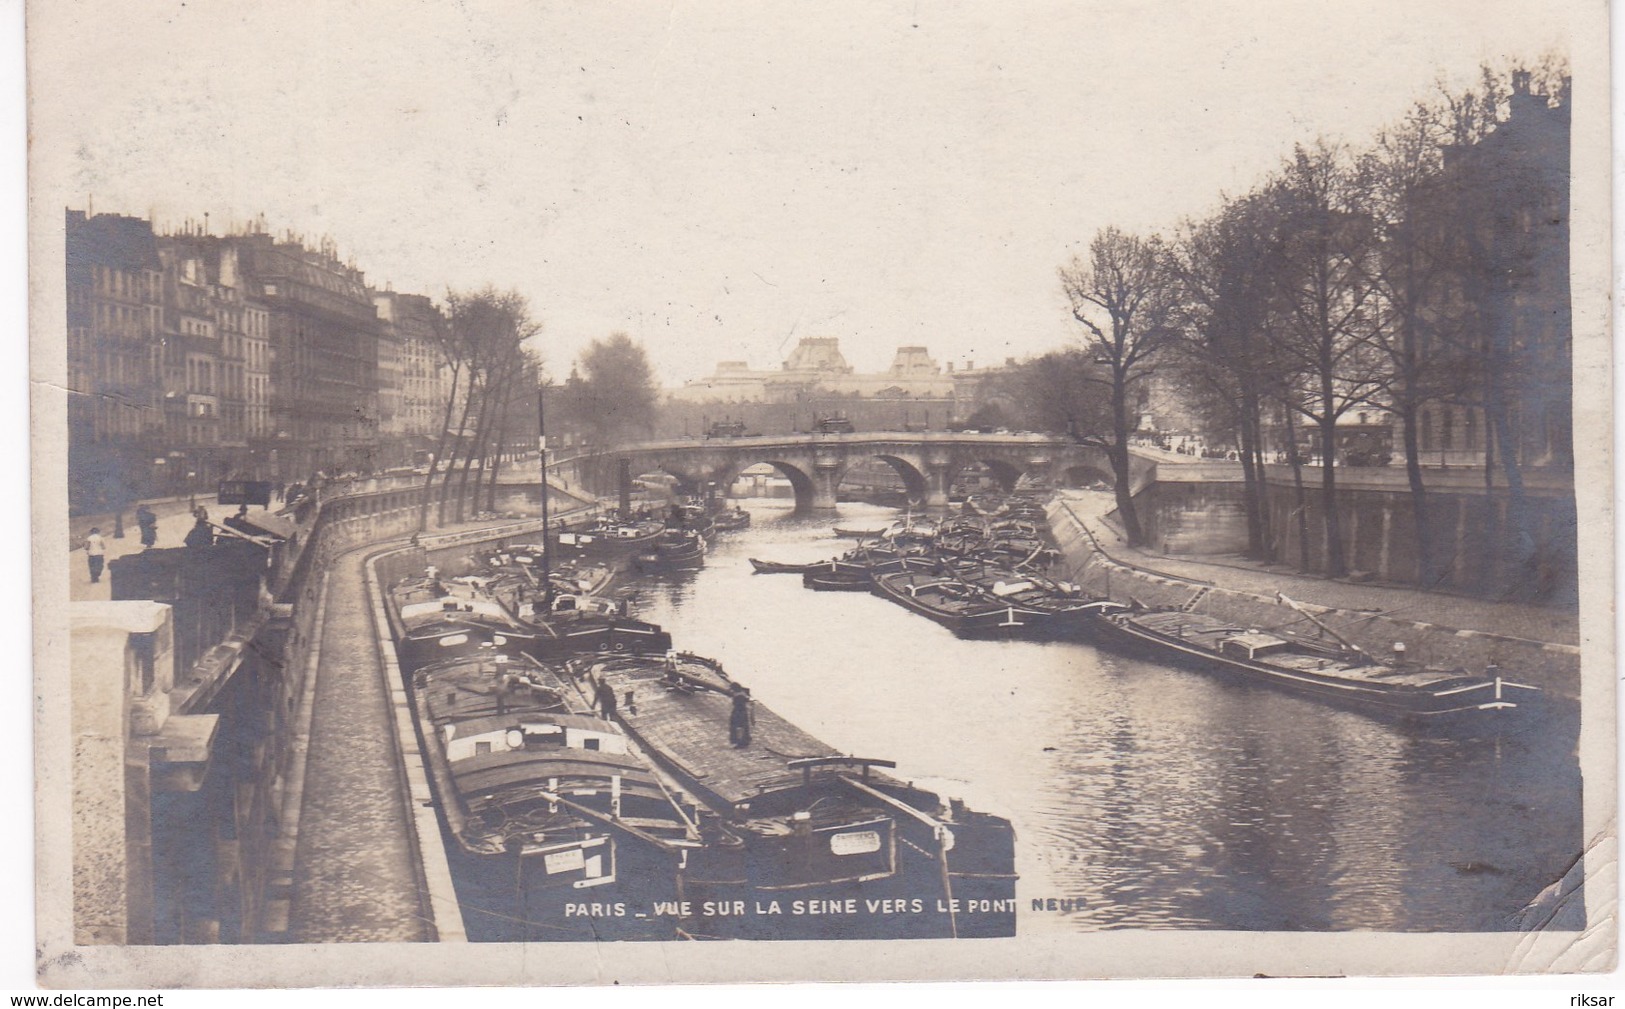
pixel 688 731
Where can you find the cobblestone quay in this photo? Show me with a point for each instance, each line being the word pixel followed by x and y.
pixel 356 875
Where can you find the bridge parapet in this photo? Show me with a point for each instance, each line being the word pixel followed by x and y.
pixel 928 462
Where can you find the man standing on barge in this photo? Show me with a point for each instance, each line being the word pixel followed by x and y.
pixel 740 720
pixel 606 699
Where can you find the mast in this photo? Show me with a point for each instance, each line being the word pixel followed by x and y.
pixel 1345 642
pixel 547 545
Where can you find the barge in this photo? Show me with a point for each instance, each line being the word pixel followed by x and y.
pixel 965 609
pixel 1335 672
pixel 789 822
pixel 548 807
pixel 434 619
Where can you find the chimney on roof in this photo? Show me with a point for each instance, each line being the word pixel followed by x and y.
pixel 1520 82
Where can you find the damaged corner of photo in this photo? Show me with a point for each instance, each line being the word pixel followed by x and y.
pixel 893 492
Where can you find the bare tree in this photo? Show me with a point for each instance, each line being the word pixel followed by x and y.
pixel 499 333
pixel 1410 271
pixel 521 378
pixel 454 360
pixel 1507 198
pixel 486 330
pixel 1123 297
pixel 1227 268
pixel 1330 303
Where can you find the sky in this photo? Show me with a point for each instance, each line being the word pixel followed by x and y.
pixel 719 180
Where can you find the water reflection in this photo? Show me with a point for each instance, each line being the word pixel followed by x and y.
pixel 1157 797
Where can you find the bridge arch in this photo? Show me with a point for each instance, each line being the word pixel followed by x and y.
pixel 915 483
pixel 1083 474
pixel 1004 472
pixel 687 480
pixel 802 483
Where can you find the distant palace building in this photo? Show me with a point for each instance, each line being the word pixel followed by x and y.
pixel 816 365
pixel 816 381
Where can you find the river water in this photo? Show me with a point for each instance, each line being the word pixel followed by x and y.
pixel 1148 797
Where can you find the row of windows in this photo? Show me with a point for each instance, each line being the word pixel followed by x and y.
pixel 199 376
pixel 120 283
pixel 249 321
pixel 1446 439
pixel 259 358
pixel 125 320
pixel 118 370
pixel 113 418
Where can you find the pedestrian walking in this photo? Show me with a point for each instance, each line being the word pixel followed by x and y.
pixel 96 553
pixel 148 523
pixel 741 718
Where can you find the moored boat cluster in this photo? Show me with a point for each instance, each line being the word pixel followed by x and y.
pixel 597 783
pixel 988 573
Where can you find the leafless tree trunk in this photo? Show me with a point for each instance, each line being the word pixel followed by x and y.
pixel 1300 496
pixel 457 444
pixel 1123 297
pixel 499 437
pixel 1328 241
pixel 440 446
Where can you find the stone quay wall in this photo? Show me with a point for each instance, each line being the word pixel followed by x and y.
pixel 1552 667
pixel 1380 538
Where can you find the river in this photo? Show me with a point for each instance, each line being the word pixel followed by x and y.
pixel 1147 797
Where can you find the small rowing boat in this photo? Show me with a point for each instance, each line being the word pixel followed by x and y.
pixel 779 568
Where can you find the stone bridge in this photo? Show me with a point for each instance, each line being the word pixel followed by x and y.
pixel 927 462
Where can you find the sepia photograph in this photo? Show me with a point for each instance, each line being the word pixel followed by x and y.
pixel 882 492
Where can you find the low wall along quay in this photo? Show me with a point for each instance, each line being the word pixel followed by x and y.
pixel 1194 511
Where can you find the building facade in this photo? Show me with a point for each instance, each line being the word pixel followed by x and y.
pixel 115 318
pixel 323 330
pixel 1509 197
pixel 193 358
pixel 416 330
pixel 816 365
